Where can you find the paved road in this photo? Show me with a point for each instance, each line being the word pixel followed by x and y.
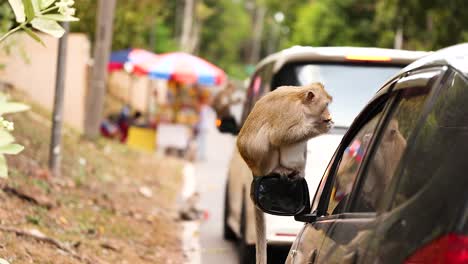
pixel 211 178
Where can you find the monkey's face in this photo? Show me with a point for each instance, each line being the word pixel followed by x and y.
pixel 316 109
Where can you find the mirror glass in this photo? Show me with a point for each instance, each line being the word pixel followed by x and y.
pixel 280 195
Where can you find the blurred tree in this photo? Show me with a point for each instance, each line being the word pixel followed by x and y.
pixel 135 24
pixel 225 34
pixel 230 32
pixel 289 9
pixel 334 22
pixel 416 24
pixel 425 24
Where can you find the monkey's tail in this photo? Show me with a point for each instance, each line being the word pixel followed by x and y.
pixel 260 229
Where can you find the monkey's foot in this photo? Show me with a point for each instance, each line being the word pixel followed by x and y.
pixel 289 173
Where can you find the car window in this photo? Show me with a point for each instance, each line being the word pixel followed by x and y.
pixel 391 143
pixel 442 138
pixel 389 149
pixel 351 160
pixel 372 111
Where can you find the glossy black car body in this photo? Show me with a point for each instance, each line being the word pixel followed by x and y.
pixel 396 189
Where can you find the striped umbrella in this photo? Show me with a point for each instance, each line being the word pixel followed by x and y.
pixel 185 68
pixel 132 57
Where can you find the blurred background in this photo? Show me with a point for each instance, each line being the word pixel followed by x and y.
pixel 235 34
pixel 123 161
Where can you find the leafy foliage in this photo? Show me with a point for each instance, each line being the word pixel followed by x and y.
pixel 41 15
pixel 135 23
pixel 6 139
pixel 425 24
pixel 223 38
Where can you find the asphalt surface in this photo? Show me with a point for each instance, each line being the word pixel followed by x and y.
pixel 211 178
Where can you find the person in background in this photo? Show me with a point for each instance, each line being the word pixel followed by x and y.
pixel 204 124
pixel 123 122
pixel 109 128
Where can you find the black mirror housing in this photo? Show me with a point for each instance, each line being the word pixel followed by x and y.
pixel 279 195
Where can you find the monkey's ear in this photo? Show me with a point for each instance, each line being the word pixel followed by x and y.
pixel 309 96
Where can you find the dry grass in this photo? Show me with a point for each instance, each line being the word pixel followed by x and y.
pixel 96 206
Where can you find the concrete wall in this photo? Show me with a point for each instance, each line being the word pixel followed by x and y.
pixel 36 74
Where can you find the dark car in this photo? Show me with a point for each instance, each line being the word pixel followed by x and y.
pixel 396 189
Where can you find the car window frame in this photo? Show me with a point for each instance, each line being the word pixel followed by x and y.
pixel 396 89
pixel 265 74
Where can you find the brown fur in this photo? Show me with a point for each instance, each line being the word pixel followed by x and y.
pixel 282 118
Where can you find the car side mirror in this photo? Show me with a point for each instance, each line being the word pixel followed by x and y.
pixel 277 195
pixel 227 125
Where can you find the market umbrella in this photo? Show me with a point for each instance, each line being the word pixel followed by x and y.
pixel 129 57
pixel 132 61
pixel 185 68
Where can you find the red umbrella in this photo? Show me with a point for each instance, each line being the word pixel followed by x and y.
pixel 185 68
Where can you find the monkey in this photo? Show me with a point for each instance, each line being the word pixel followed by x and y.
pixel 274 137
pixel 281 122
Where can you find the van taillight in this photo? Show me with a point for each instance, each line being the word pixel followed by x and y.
pixel 448 249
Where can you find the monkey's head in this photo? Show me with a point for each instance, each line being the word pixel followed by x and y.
pixel 315 101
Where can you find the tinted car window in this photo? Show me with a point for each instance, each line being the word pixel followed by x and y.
pixel 351 160
pixel 389 148
pixel 441 145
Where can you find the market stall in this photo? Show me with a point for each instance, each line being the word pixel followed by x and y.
pixel 172 124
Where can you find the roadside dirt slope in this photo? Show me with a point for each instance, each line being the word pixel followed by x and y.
pixel 111 204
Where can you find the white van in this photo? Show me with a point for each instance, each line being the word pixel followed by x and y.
pixel 351 75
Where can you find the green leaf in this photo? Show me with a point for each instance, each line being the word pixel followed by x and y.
pixel 18 9
pixel 48 26
pixel 29 9
pixel 46 3
pixel 3 168
pixel 6 108
pixel 36 8
pixel 11 149
pixel 58 17
pixel 5 138
pixel 33 35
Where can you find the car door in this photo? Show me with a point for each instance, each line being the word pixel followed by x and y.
pixel 430 193
pixel 355 225
pixel 332 195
